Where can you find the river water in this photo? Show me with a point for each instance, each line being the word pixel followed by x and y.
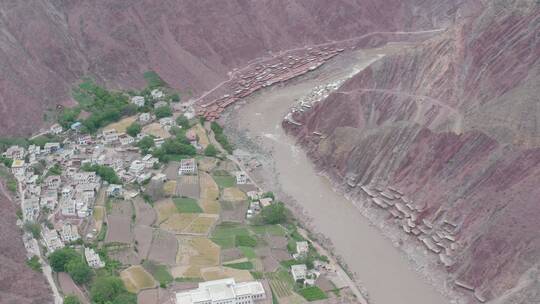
pixel 255 126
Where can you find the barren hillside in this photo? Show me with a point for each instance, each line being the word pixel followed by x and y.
pixel 47 46
pixel 453 124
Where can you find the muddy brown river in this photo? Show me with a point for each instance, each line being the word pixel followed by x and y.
pixel 255 126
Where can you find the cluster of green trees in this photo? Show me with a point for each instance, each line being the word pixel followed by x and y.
pixel 70 261
pixel 105 172
pixel 164 111
pixel 220 137
pixel 110 289
pixel 211 151
pixel 6 142
pixel 145 144
pixel 275 213
pixel 134 129
pixel 54 170
pixel 6 161
pixel 174 148
pixel 103 106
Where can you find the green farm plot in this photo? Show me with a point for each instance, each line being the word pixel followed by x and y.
pixel 187 205
pixel 312 293
pixel 224 181
pixel 225 234
pixel 248 252
pixel 281 283
pixel 273 230
pixel 159 272
pixel 245 241
pixel 242 265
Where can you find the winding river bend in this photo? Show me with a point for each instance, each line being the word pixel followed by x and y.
pixel 256 127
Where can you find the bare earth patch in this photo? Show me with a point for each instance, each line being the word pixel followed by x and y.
pixel 143 237
pixel 122 125
pixel 169 188
pixel 146 215
pixel 164 208
pixel 233 194
pixel 207 164
pixel 195 253
pixel 201 134
pixel 156 130
pixel 220 272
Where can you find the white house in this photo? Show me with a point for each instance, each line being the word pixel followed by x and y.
pixel 149 161
pixel 225 291
pixel 145 117
pixel 15 152
pixel 302 248
pixel 51 147
pixel 158 141
pixel 136 167
pixel 51 239
pixel 299 272
pixel 92 258
pixel 52 182
pixel 265 202
pixel 126 139
pixel 18 167
pixel 241 178
pixel 30 207
pixel 67 207
pixel 49 199
pixel 167 122
pixel 84 178
pixel 187 166
pixel 69 233
pixel 114 190
pixel 160 104
pixel 156 94
pixel 138 101
pixel 110 135
pixel 55 129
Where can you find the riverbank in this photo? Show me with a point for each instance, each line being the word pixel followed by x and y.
pixel 256 128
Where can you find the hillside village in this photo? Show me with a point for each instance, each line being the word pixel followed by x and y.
pixel 154 204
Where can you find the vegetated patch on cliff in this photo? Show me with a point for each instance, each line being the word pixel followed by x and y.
pixel 451 124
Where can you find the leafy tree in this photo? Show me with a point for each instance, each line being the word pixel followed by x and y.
pixel 134 129
pixel 54 170
pixel 68 117
pixel 71 299
pixel 220 137
pixel 6 161
pixel 107 289
pixel 33 228
pixel 145 144
pixel 183 122
pixel 175 97
pixel 210 151
pixel 153 80
pixel 171 146
pixel 164 111
pixel 61 257
pixel 34 263
pixel 105 172
pixel 79 271
pixel 274 213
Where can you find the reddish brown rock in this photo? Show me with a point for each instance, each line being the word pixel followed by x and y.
pixel 452 124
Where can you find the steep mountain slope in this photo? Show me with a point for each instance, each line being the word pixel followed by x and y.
pixel 453 124
pixel 18 283
pixel 46 46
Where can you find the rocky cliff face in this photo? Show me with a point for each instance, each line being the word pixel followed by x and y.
pixel 47 46
pixel 453 124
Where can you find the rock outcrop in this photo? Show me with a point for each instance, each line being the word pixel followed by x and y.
pixel 452 124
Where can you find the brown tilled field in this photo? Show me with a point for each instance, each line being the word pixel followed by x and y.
pixel 188 185
pixel 207 164
pixel 209 194
pixel 143 236
pixel 164 247
pixel 146 215
pixel 164 208
pixel 202 224
pixel 178 222
pixel 119 229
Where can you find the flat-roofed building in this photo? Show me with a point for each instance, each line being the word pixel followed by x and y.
pixel 225 291
pixel 187 166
